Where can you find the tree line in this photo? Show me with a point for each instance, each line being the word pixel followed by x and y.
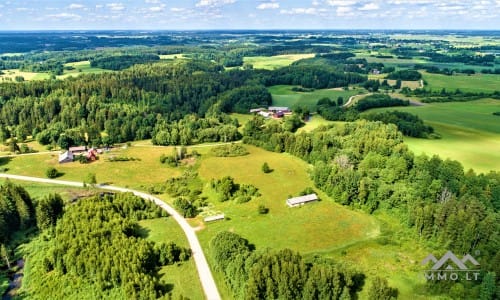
pixel 280 274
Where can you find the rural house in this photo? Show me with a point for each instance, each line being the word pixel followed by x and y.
pixel 78 150
pixel 65 157
pixel 301 200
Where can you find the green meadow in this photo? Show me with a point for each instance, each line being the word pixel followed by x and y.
pixel 372 244
pixel 274 62
pixel 81 67
pixel 284 96
pixel 474 83
pixel 470 133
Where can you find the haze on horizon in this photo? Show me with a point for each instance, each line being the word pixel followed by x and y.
pixel 248 14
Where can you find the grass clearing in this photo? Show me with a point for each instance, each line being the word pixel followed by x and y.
pixel 11 74
pixel 477 83
pixel 284 96
pixel 183 276
pixel 469 131
pixel 314 122
pixel 321 225
pixel 133 174
pixel 274 62
pixel 81 67
pixel 172 56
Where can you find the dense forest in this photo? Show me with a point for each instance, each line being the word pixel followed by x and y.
pixel 366 165
pixel 96 249
pixel 280 274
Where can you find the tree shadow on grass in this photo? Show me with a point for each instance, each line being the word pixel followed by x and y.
pixel 3 162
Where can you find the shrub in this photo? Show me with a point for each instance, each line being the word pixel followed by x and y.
pixel 51 172
pixel 266 169
pixel 262 209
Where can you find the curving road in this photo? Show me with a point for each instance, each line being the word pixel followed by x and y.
pixel 206 278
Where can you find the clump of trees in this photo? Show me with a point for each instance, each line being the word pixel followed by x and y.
pixel 281 274
pixel 227 189
pixel 96 245
pixel 17 211
pixel 120 62
pixel 410 75
pixel 379 100
pixel 408 124
pixel 230 150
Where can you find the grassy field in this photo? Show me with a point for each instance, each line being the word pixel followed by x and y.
pixel 134 174
pixel 284 96
pixel 183 276
pixel 469 131
pixel 274 62
pixel 81 67
pixel 172 56
pixel 12 73
pixel 474 83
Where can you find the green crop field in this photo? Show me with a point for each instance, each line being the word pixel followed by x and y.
pixel 182 276
pixel 474 83
pixel 81 67
pixel 274 62
pixel 470 132
pixel 284 96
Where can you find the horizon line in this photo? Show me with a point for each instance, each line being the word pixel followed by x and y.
pixel 250 29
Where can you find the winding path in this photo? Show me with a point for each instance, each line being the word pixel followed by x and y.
pixel 206 278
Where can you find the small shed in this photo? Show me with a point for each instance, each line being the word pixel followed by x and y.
pixel 65 157
pixel 214 218
pixel 301 200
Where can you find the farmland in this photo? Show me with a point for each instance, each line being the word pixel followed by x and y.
pixel 468 132
pixel 284 96
pixel 475 83
pixel 274 62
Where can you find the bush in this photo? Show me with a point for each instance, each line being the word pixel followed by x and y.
pixel 230 150
pixel 266 169
pixel 52 172
pixel 262 209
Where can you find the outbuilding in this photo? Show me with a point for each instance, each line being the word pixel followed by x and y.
pixel 301 200
pixel 65 157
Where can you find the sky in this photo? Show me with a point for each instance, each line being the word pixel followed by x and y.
pixel 248 14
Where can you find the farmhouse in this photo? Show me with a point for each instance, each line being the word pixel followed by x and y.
pixel 65 157
pixel 78 150
pixel 276 109
pixel 296 201
pixel 214 218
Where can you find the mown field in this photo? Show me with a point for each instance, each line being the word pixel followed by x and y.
pixel 474 83
pixel 470 133
pixel 284 96
pixel 80 67
pixel 274 62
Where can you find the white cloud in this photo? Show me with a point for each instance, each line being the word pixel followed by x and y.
pixel 344 10
pixel 159 8
pixel 341 2
pixel 370 6
pixel 99 6
pixel 66 16
pixel 22 9
pixel 177 9
pixel 269 5
pixel 299 11
pixel 213 3
pixel 76 6
pixel 152 1
pixel 115 6
pixel 315 3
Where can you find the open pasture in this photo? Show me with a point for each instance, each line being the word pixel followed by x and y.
pixel 470 133
pixel 274 62
pixel 477 83
pixel 284 96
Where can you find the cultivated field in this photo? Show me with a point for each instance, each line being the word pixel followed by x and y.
pixel 13 73
pixel 274 62
pixel 474 83
pixel 284 96
pixel 469 131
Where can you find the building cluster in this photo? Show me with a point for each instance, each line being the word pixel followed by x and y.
pixel 74 152
pixel 272 112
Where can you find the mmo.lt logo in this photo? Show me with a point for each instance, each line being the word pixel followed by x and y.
pixel 450 267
